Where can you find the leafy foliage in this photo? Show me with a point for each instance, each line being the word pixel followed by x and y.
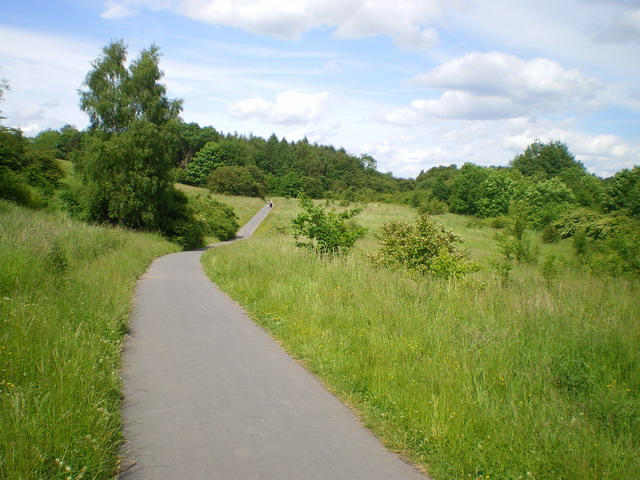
pixel 126 163
pixel 117 96
pixel 608 244
pixel 127 177
pixel 28 174
pixel 545 201
pixel 422 247
pixel 204 162
pixel 465 191
pixel 545 160
pixel 237 180
pixel 624 192
pixel 217 218
pixel 327 232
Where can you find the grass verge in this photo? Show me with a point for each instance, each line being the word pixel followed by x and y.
pixel 476 378
pixel 66 289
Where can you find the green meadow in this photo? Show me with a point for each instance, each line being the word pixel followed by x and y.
pixel 66 290
pixel 525 373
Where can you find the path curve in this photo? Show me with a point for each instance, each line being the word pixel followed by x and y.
pixel 210 395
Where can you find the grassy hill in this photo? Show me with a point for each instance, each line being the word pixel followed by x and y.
pixel 65 296
pixel 523 372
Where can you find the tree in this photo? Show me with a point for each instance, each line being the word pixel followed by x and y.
pixel 495 194
pixel 46 140
pixel 204 162
pixel 193 138
pixel 127 176
pixel 438 180
pixel 546 160
pixel 117 95
pixel 624 192
pixel 544 202
pixel 126 165
pixel 69 141
pixel 465 191
pixel 236 180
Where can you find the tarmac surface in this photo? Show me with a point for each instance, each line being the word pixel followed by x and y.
pixel 210 395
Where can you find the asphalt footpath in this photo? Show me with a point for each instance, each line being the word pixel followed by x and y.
pixel 210 395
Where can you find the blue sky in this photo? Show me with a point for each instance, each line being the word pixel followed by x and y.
pixel 414 83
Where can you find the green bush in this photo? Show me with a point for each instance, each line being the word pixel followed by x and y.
pixel 422 247
pixel 518 248
pixel 551 234
pixel 216 218
pixel 499 222
pixel 327 232
pixel 433 206
pixel 15 189
pixel 179 223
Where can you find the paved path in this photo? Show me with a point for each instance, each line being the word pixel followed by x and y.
pixel 209 395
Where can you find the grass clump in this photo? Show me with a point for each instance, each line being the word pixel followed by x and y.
pixel 476 377
pixel 65 295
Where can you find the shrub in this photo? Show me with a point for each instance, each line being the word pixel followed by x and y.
pixel 15 189
pixel 518 248
pixel 216 218
pixel 179 223
pixel 422 247
pixel 499 222
pixel 328 232
pixel 433 206
pixel 580 243
pixel 551 234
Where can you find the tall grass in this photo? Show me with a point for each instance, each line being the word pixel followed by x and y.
pixel 65 295
pixel 477 378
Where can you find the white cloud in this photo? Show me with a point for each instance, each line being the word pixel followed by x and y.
pixel 623 29
pixel 408 22
pixel 497 73
pixel 44 74
pixel 250 107
pixel 497 85
pixel 289 108
pixel 454 105
pixel 116 9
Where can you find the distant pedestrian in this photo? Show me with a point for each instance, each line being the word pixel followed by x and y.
pixel 270 204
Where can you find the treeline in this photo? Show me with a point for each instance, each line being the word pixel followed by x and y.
pixel 252 166
pixel 545 189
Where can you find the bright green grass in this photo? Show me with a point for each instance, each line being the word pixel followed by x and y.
pixel 65 296
pixel 471 379
pixel 70 178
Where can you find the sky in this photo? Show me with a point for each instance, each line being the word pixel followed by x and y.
pixel 413 83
